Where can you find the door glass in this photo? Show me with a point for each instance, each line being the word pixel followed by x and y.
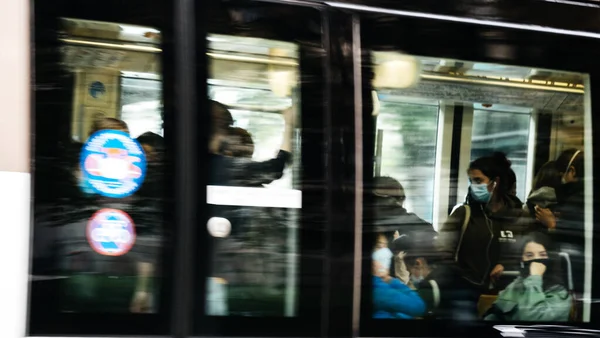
pixel 252 192
pixel 476 262
pixel 98 224
pixel 407 135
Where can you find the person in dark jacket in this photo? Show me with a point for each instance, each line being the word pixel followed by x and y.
pixel 566 224
pixel 387 215
pixel 480 251
pixel 538 294
pixel 230 167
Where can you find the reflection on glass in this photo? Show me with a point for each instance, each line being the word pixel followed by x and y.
pixel 251 193
pixel 141 106
pixel 409 131
pixel 505 132
pixel 515 250
pixel 100 228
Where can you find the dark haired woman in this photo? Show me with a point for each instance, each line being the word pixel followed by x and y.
pixel 477 232
pixel 566 223
pixel 538 294
pixel 545 185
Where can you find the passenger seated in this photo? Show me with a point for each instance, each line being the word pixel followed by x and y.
pixel 416 255
pixel 568 228
pixel 392 298
pixel 538 294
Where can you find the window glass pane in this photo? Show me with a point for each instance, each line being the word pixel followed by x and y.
pixel 408 141
pixel 98 212
pixel 254 169
pixel 429 262
pixel 141 106
pixel 505 132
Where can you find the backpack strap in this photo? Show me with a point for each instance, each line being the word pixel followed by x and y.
pixel 463 229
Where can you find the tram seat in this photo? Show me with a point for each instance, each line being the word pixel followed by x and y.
pixel 485 303
pixel 487 300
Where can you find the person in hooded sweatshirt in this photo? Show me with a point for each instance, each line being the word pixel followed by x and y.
pixel 478 253
pixel 387 215
pixel 565 223
pixel 538 294
pixel 391 297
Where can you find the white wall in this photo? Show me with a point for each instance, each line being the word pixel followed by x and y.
pixel 14 166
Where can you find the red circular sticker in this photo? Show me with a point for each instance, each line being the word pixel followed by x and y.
pixel 111 232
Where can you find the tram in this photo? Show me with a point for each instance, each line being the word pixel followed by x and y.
pixel 206 168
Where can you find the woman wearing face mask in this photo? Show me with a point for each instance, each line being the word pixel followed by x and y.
pixel 391 297
pixel 538 293
pixel 481 232
pixel 566 222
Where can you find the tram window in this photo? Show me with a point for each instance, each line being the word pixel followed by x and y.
pixel 252 193
pixel 98 213
pixel 507 132
pixel 406 134
pixel 141 109
pixel 448 269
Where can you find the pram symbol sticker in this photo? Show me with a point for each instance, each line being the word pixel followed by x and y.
pixel 111 232
pixel 113 164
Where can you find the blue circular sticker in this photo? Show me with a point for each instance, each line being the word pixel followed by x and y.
pixel 111 232
pixel 97 89
pixel 112 164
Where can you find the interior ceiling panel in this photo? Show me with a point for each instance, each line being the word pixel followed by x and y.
pixel 79 57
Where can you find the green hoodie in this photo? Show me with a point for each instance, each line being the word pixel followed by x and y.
pixel 526 300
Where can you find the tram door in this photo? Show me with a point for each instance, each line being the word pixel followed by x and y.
pixel 266 204
pixel 112 208
pixel 432 110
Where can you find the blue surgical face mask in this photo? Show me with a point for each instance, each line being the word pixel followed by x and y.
pixel 480 192
pixel 384 257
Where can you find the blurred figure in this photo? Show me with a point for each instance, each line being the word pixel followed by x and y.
pixel 538 294
pixel 391 298
pixel 109 123
pixel 479 236
pixel 512 191
pixel 153 144
pixel 543 191
pixel 568 228
pixel 417 252
pixel 239 144
pixel 91 285
pixel 236 171
pixel 388 216
pixel 250 259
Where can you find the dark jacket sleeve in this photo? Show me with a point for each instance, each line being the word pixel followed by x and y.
pixel 250 173
pixel 570 220
pixel 449 233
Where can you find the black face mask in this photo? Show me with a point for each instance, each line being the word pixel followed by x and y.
pixel 526 264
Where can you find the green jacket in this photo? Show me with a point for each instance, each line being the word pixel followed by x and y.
pixel 525 300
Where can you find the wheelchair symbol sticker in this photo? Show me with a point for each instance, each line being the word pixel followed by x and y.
pixel 113 164
pixel 111 232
